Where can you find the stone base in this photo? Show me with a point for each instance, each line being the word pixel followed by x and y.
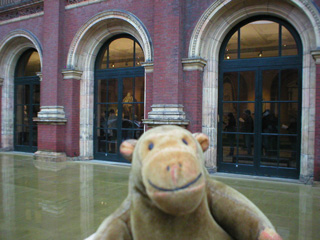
pixel 211 170
pixel 166 114
pixel 306 179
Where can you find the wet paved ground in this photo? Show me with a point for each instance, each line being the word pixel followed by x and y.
pixel 70 200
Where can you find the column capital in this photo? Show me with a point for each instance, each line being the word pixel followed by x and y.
pixel 148 66
pixel 71 74
pixel 39 74
pixel 193 64
pixel 316 55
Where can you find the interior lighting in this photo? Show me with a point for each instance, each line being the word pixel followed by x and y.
pixel 260 54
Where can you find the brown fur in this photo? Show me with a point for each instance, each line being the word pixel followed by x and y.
pixel 171 195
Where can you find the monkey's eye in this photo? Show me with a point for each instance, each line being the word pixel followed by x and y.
pixel 184 141
pixel 150 146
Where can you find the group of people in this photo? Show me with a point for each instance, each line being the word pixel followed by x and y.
pixel 269 125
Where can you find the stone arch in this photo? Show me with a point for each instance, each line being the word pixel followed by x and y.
pixel 11 48
pixel 82 55
pixel 206 40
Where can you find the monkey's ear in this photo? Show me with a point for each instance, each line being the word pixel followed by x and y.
pixel 127 147
pixel 203 140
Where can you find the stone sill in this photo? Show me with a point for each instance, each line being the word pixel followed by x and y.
pixel 166 122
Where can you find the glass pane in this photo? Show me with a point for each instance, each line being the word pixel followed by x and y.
pixel 269 120
pixel 28 64
pixel 102 91
pixel 35 136
pixel 246 119
pixel 128 86
pixel 245 148
pixel 231 51
pixel 288 151
pixel 19 114
pixel 139 89
pixel 229 121
pixel 269 145
pixel 270 85
pixel 26 110
pixel 101 141
pixel 121 53
pixel 22 94
pixel 22 134
pixel 229 147
pixel 33 65
pixel 36 94
pixel 138 113
pixel 102 119
pixel 139 55
pixel 247 86
pixel 289 85
pixel 246 144
pixel 288 118
pixel 230 86
pixel 112 90
pixel 259 39
pixel 112 143
pixel 269 161
pixel 289 46
pixel 35 110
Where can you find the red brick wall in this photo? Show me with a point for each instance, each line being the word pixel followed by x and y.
pixel 317 130
pixel 192 93
pixel 51 138
pixel 167 85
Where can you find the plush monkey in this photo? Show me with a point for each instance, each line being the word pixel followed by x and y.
pixel 172 197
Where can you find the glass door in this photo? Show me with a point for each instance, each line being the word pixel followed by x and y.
pixel 119 112
pixel 259 124
pixel 237 121
pixel 260 72
pixel 27 105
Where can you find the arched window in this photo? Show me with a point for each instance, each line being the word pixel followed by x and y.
pixel 260 99
pixel 27 101
pixel 120 52
pixel 119 96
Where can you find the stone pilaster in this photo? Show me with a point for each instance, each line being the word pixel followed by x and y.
pixel 316 165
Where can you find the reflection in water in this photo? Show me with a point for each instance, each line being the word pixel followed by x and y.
pixel 71 203
pixel 86 199
pixel 8 197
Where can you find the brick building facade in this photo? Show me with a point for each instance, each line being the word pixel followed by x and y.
pixel 182 44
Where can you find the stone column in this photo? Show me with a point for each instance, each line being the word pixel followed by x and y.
pixel 316 176
pixel 51 118
pixel 167 94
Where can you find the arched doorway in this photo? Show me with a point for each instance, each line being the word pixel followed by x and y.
pixel 119 96
pixel 26 101
pixel 259 105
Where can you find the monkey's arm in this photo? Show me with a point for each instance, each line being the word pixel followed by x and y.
pixel 116 226
pixel 237 214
